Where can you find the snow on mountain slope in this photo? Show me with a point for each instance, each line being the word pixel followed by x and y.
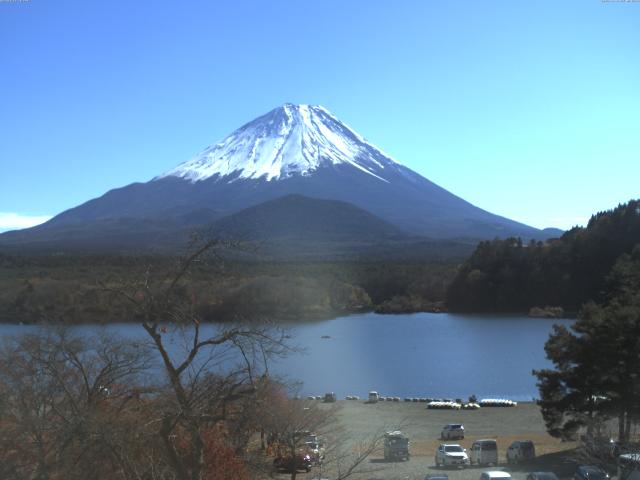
pixel 289 140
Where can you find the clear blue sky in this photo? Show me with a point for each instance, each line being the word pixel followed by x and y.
pixel 530 110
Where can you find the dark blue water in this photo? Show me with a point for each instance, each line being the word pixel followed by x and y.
pixel 425 354
pixel 422 355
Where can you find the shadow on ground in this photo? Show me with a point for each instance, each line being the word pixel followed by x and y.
pixel 563 464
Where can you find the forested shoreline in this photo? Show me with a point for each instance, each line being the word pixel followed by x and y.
pixel 501 276
pixel 513 276
pixel 74 289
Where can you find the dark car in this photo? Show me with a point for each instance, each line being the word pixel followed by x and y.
pixel 293 463
pixel 437 476
pixel 590 472
pixel 330 397
pixel 542 476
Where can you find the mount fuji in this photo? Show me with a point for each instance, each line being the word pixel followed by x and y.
pixel 292 150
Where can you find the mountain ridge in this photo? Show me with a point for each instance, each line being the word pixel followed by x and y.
pixel 292 149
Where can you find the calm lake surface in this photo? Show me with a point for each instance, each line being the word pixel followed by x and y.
pixel 421 355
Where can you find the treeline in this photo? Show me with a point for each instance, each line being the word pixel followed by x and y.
pixel 512 276
pixel 78 289
pixel 596 363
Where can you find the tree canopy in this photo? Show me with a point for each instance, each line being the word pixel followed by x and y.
pixel 509 275
pixel 597 360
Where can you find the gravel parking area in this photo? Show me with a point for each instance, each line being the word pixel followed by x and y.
pixel 524 422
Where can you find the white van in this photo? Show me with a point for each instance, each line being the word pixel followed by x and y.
pixel 373 397
pixel 484 452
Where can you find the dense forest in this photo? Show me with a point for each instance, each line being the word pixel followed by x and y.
pixel 78 289
pixel 512 276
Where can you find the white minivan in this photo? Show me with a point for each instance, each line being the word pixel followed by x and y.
pixel 484 452
pixel 373 397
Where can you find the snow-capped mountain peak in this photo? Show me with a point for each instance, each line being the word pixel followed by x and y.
pixel 289 140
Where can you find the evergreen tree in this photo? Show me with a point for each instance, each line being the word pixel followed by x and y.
pixel 505 275
pixel 597 361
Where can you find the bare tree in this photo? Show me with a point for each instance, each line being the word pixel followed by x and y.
pixel 72 404
pixel 218 367
pixel 65 401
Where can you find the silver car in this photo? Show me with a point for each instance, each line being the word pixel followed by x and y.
pixel 452 430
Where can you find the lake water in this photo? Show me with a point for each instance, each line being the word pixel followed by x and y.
pixel 417 355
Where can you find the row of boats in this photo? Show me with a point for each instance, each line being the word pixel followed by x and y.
pixel 432 403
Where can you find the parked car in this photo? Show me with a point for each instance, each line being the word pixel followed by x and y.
pixel 451 454
pixel 293 463
pixel 373 397
pixel 484 452
pixel 542 476
pixel 590 472
pixel 629 466
pixel 330 397
pixel 495 475
pixel 315 450
pixel 396 446
pixel 521 451
pixel 305 435
pixel 436 476
pixel 309 437
pixel 452 430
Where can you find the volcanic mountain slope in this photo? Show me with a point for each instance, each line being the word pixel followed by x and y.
pixel 294 149
pixel 295 227
pixel 299 218
pixel 287 228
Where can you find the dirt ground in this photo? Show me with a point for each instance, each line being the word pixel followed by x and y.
pixel 523 422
